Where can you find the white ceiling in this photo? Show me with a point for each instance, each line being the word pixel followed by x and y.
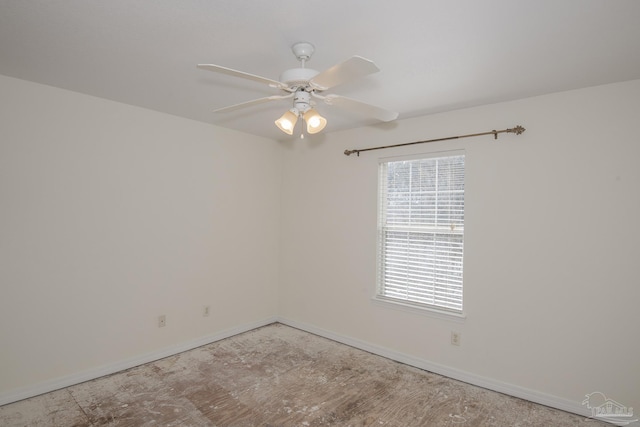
pixel 434 55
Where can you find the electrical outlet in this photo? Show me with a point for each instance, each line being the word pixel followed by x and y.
pixel 456 337
pixel 206 310
pixel 162 321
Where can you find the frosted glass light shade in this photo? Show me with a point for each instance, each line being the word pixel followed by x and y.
pixel 287 122
pixel 315 122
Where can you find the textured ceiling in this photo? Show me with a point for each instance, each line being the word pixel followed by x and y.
pixel 434 55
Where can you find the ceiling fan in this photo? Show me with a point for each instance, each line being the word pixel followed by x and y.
pixel 305 85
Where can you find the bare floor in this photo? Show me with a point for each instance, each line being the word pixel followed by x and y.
pixel 279 376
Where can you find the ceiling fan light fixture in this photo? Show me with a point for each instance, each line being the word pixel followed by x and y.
pixel 302 84
pixel 287 122
pixel 315 122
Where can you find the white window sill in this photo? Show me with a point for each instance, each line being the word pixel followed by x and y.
pixel 419 309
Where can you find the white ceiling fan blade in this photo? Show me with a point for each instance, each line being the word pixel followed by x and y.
pixel 251 103
pixel 360 107
pixel 242 74
pixel 350 69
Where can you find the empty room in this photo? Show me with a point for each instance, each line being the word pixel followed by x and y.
pixel 289 213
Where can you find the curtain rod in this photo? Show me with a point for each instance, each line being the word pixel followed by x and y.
pixel 517 130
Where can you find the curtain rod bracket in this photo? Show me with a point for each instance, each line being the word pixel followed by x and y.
pixel 517 130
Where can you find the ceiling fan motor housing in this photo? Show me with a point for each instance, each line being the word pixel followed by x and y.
pixel 298 78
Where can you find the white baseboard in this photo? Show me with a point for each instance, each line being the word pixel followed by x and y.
pixel 509 389
pixel 488 383
pixel 91 374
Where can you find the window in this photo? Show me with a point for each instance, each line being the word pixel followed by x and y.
pixel 421 230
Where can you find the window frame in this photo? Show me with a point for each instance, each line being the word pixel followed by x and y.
pixel 397 303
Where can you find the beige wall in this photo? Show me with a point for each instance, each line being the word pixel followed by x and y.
pixel 112 215
pixel 551 244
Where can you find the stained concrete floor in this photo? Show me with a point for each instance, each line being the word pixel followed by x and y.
pixel 279 376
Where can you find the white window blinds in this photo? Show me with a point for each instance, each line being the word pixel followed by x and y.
pixel 421 230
